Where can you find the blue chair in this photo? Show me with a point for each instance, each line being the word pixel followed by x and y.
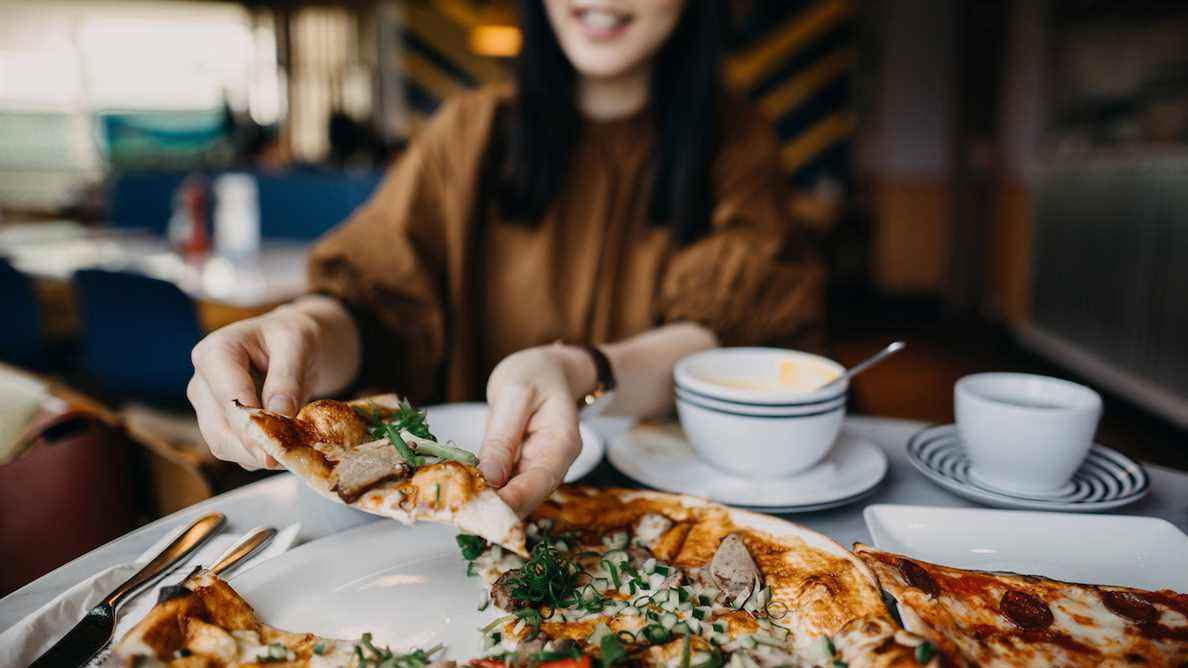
pixel 142 199
pixel 137 335
pixel 304 205
pixel 22 341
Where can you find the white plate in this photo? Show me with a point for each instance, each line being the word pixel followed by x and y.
pixel 464 424
pixel 1143 552
pixel 407 586
pixel 659 456
pixel 1107 479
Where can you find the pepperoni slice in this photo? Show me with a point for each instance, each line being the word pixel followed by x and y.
pixel 918 577
pixel 1126 604
pixel 1025 610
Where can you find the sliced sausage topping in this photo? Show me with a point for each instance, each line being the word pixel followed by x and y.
pixel 1025 610
pixel 1126 604
pixel 918 577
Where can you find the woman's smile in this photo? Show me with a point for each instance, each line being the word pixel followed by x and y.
pixel 600 23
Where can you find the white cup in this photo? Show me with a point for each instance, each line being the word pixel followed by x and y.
pixel 1025 433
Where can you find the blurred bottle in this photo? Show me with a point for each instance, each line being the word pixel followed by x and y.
pixel 237 216
pixel 187 230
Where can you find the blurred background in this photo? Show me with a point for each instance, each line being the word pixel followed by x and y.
pixel 1004 184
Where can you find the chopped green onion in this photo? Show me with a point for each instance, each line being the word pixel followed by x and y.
pixel 685 651
pixel 319 649
pixel 925 652
pixel 445 451
pixel 402 448
pixel 662 570
pixel 497 622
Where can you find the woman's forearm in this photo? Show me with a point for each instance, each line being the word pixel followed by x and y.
pixel 642 367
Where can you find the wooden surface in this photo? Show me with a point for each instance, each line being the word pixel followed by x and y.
pixel 917 383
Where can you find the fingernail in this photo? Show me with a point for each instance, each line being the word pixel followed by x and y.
pixel 492 471
pixel 283 404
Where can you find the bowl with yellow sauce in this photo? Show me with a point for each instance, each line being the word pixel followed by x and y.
pixel 760 412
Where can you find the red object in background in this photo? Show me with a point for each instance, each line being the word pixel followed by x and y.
pixel 67 494
pixel 189 226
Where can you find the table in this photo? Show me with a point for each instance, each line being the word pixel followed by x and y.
pixel 282 499
pixel 224 289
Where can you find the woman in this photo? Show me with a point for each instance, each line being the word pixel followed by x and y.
pixel 615 195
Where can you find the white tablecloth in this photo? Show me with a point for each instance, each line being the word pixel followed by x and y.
pixel 281 500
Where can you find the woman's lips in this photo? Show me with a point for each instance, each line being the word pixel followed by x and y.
pixel 600 24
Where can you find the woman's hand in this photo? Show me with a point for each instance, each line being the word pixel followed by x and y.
pixel 532 431
pixel 302 349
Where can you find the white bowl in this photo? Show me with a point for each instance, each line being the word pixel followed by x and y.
pixel 768 430
pixel 1025 433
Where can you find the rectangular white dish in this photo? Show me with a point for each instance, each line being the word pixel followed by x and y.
pixel 1143 552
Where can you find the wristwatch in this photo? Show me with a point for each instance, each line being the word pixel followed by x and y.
pixel 596 401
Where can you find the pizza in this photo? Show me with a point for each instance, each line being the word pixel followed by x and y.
pixel 649 578
pixel 981 618
pixel 204 623
pixel 378 455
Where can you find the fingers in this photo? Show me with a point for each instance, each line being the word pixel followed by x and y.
pixel 222 440
pixel 553 451
pixel 529 489
pixel 288 366
pixel 552 446
pixel 505 431
pixel 225 367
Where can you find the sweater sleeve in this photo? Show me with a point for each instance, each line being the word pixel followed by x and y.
pixel 387 265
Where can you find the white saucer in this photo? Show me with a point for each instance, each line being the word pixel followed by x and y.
pixel 658 455
pixel 1107 479
pixel 465 423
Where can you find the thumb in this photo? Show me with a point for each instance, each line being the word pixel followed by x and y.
pixel 505 430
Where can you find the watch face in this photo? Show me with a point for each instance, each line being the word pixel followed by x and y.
pixel 595 403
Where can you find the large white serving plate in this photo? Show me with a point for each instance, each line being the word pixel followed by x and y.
pixel 407 586
pixel 1143 552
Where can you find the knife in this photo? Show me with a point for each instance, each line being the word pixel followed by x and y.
pixel 89 636
pixel 235 556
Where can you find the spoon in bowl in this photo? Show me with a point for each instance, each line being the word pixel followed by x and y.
pixel 891 349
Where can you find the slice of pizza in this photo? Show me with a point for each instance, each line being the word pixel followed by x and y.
pixel 205 623
pixel 378 455
pixel 646 578
pixel 991 619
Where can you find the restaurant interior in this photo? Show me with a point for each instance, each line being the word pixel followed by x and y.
pixel 996 183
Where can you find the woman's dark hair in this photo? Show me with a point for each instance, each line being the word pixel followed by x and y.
pixel 683 100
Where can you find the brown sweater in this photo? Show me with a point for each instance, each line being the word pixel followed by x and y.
pixel 444 289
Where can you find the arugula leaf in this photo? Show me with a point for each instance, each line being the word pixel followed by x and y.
pixel 471 546
pixel 612 650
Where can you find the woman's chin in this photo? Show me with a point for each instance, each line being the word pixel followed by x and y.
pixel 605 65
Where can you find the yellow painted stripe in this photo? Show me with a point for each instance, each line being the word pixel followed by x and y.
pixel 460 12
pixel 745 69
pixel 449 40
pixel 798 88
pixel 809 144
pixel 429 76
